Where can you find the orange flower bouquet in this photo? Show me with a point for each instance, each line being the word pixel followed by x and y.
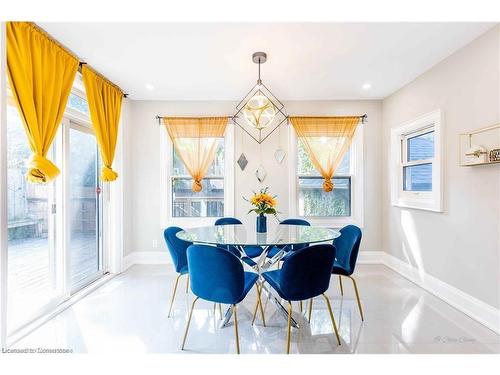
pixel 264 204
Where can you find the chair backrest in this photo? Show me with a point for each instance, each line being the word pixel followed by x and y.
pixel 215 274
pixel 297 222
pixel 347 246
pixel 227 221
pixel 176 247
pixel 306 272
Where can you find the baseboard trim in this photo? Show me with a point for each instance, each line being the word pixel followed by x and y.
pixel 145 257
pixel 370 257
pixel 478 310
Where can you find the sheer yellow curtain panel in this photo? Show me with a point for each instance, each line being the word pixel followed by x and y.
pixel 195 141
pixel 326 140
pixel 105 102
pixel 41 75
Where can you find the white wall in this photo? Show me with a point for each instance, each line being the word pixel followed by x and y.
pixel 460 246
pixel 143 188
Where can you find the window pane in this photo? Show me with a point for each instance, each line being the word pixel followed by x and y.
pixel 216 169
pixel 84 239
pixel 418 177
pixel 78 103
pixel 313 201
pixel 31 273
pixel 306 168
pixel 209 202
pixel 421 147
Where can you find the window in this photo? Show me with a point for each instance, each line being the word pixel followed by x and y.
pixel 209 202
pixel 343 205
pixel 313 201
pixel 416 171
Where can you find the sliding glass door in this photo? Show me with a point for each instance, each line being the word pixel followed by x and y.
pixel 84 207
pixel 54 229
pixel 34 277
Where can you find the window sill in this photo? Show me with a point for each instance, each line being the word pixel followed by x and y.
pixel 333 222
pixel 189 222
pixel 433 207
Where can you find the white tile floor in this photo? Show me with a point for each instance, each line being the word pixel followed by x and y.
pixel 129 314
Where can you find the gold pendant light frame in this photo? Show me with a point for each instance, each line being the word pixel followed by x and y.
pixel 248 117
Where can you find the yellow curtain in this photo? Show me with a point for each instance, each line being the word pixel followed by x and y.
pixel 41 74
pixel 105 102
pixel 195 140
pixel 326 140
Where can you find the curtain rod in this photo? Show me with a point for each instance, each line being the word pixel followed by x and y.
pixel 364 118
pixel 69 51
pixel 82 63
pixel 159 118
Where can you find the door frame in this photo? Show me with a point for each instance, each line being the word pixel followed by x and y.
pixel 72 121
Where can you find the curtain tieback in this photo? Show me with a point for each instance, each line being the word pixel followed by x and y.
pixel 41 170
pixel 108 174
pixel 327 185
pixel 197 186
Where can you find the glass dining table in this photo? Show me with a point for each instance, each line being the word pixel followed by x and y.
pixel 283 236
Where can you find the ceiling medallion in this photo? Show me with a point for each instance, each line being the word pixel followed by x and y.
pixel 259 113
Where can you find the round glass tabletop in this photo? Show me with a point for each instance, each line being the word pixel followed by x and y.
pixel 238 235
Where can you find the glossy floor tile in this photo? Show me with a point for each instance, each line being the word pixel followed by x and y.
pixel 129 314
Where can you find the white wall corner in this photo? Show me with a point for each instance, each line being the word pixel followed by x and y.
pixel 480 311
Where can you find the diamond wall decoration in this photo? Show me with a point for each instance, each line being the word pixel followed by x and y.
pixel 242 161
pixel 261 173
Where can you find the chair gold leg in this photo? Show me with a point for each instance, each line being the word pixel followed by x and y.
pixel 300 306
pixel 173 295
pixel 259 301
pixel 341 288
pixel 188 322
pixel 220 311
pixel 256 306
pixel 288 337
pixel 357 297
pixel 331 317
pixel 187 284
pixel 235 315
pixel 310 310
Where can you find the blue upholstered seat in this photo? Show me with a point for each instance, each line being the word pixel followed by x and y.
pixel 177 249
pixel 347 246
pixel 217 275
pixel 305 274
pixel 250 251
pixel 271 253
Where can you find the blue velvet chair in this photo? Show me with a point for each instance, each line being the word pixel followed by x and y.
pixel 347 246
pixel 250 251
pixel 177 249
pixel 217 275
pixel 305 274
pixel 276 249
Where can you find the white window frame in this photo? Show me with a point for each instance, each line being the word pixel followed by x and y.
pixel 166 152
pixel 357 196
pixel 422 200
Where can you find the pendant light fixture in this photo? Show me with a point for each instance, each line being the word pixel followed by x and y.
pixel 259 113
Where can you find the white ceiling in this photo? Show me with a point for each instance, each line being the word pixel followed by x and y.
pixel 309 61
